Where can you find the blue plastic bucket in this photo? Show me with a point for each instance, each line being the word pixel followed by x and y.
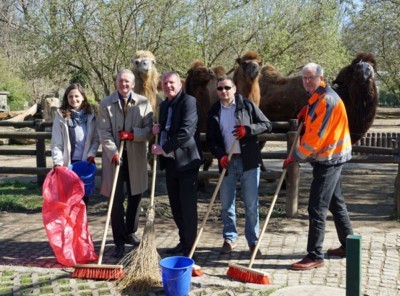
pixel 176 275
pixel 86 172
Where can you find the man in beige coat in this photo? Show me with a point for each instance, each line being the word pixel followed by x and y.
pixel 127 116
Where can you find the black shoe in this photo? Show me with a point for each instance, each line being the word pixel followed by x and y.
pixel 132 239
pixel 175 250
pixel 119 251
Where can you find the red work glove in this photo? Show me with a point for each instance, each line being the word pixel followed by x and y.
pixel 224 162
pixel 155 129
pixel 124 135
pixel 91 159
pixel 302 114
pixel 239 131
pixel 157 149
pixel 115 159
pixel 288 161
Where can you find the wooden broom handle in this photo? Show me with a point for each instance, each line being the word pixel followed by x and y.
pixel 278 188
pixel 153 177
pixel 221 177
pixel 110 202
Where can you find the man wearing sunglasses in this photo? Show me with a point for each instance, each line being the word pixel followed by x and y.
pixel 234 118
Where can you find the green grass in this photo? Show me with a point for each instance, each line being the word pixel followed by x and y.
pixel 394 217
pixel 5 291
pixel 46 290
pixel 19 196
pixel 65 289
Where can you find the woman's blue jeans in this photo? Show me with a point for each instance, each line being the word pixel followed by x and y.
pixel 249 181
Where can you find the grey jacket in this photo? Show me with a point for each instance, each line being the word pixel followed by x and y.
pixel 61 144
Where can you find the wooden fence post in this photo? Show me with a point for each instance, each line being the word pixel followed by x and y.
pixel 40 150
pixel 396 194
pixel 292 176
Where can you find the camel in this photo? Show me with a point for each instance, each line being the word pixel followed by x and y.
pixel 281 97
pixel 356 85
pixel 246 76
pixel 201 84
pixel 146 78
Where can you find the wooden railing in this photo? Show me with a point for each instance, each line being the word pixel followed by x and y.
pixel 362 154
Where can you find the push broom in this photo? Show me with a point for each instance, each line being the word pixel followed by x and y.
pixel 142 270
pixel 196 271
pixel 103 271
pixel 247 274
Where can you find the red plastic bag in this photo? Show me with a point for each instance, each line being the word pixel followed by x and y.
pixel 64 217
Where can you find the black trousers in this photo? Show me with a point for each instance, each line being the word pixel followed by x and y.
pixel 326 194
pixel 182 194
pixel 124 222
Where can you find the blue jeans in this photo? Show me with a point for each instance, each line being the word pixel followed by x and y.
pixel 249 181
pixel 326 194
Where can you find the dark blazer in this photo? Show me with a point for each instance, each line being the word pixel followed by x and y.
pixel 183 136
pixel 254 121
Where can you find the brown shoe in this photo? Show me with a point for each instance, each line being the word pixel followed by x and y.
pixel 307 263
pixel 341 252
pixel 228 247
pixel 258 255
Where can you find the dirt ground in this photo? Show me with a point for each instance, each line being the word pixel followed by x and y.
pixel 368 188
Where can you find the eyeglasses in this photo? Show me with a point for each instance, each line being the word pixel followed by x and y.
pixel 227 87
pixel 309 78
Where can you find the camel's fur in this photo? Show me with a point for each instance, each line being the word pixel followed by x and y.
pixel 281 97
pixel 201 84
pixel 356 85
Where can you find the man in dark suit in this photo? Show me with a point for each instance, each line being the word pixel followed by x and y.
pixel 180 155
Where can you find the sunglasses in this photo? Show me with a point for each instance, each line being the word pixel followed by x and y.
pixel 227 87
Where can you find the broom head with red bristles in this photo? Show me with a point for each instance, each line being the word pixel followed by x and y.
pixel 196 271
pixel 98 272
pixel 248 275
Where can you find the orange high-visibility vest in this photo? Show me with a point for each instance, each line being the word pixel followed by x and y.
pixel 326 138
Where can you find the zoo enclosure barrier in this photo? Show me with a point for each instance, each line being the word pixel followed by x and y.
pixel 388 151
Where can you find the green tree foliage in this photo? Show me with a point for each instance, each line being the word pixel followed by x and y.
pixel 375 27
pixel 293 33
pixel 63 40
pixel 11 82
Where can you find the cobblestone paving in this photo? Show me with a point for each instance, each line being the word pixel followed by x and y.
pixel 28 266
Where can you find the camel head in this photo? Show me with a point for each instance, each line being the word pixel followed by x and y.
pixel 143 62
pixel 199 75
pixel 250 64
pixel 363 72
pixel 364 68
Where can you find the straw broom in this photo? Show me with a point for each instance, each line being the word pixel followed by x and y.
pixel 247 274
pixel 196 271
pixel 99 271
pixel 142 270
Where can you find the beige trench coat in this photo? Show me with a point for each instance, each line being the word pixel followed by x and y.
pixel 111 119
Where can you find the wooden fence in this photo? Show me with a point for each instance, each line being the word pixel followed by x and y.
pixel 386 152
